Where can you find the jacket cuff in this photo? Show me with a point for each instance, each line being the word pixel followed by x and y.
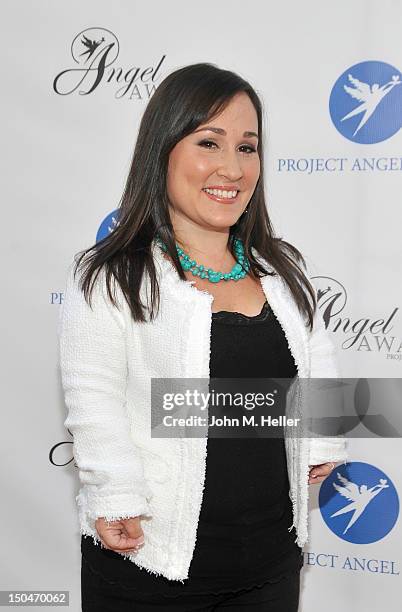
pixel 327 449
pixel 112 507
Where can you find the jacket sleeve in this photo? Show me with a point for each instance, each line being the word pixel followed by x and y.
pixel 324 364
pixel 94 378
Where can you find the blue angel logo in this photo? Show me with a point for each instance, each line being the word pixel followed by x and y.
pixel 108 225
pixel 366 103
pixel 359 503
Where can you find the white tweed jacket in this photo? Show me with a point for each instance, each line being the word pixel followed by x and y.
pixel 107 361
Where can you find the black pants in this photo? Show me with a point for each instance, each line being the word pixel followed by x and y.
pixel 100 596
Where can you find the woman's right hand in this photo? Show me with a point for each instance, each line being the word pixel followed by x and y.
pixel 124 535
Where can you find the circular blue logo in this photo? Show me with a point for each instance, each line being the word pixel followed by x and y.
pixel 366 102
pixel 359 503
pixel 108 224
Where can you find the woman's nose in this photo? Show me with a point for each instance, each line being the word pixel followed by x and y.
pixel 230 166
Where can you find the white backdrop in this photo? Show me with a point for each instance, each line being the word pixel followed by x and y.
pixel 67 143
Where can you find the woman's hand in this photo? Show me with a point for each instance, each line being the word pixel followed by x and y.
pixel 319 472
pixel 124 535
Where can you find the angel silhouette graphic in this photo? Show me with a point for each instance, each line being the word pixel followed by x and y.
pixel 91 45
pixel 361 496
pixel 370 96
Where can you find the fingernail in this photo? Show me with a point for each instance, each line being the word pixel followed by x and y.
pixel 140 540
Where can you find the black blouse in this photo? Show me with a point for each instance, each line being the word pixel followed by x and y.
pixel 242 537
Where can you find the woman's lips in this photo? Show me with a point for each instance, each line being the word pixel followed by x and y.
pixel 222 200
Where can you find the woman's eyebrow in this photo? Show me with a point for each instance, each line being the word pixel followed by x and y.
pixel 221 131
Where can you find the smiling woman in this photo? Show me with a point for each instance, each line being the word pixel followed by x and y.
pixel 202 129
pixel 182 523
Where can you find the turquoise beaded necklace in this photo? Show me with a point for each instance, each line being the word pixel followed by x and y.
pixel 238 271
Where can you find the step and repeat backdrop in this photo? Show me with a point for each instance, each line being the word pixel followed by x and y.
pixel 76 79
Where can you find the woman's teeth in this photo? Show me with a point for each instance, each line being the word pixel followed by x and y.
pixel 221 194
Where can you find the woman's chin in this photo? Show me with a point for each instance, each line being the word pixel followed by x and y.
pixel 221 221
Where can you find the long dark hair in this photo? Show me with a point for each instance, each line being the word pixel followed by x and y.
pixel 185 99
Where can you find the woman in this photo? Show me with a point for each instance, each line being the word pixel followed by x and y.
pixel 192 283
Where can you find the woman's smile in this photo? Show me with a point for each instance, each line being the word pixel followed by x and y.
pixel 224 196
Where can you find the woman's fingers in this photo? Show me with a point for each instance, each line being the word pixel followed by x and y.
pixel 132 535
pixel 318 473
pixel 132 528
pixel 124 545
pixel 124 535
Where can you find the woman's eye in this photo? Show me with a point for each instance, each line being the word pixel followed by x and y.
pixel 249 147
pixel 206 143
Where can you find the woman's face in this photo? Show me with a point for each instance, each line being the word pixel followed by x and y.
pixel 223 157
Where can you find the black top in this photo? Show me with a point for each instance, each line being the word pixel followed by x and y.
pixel 242 536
